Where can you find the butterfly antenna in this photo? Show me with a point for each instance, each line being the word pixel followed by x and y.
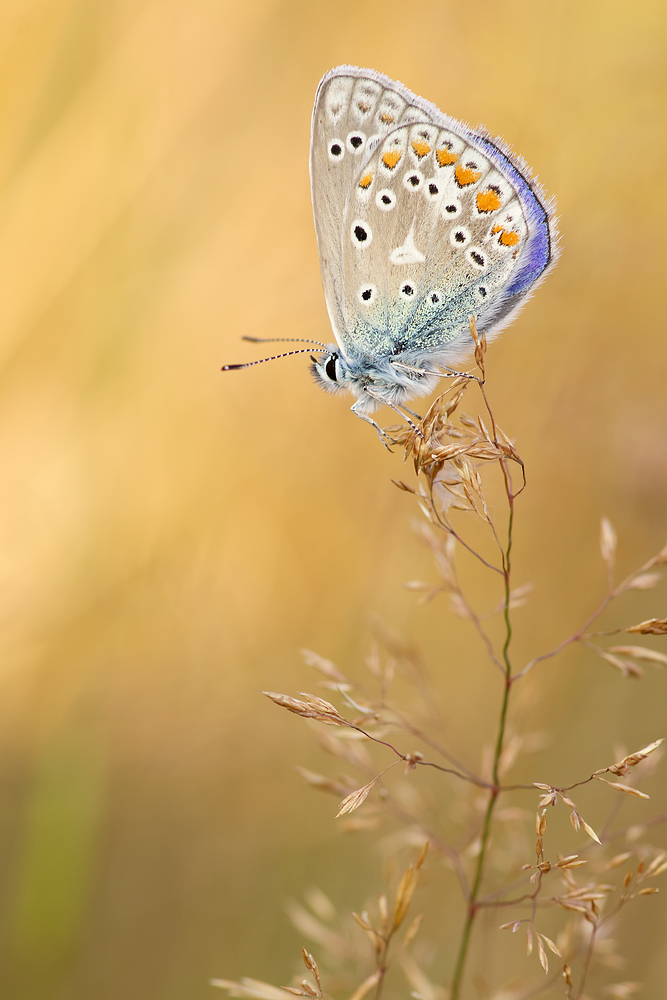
pixel 453 373
pixel 283 340
pixel 249 364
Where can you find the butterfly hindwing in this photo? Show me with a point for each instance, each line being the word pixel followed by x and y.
pixel 421 222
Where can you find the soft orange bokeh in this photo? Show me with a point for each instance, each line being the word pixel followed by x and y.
pixel 171 535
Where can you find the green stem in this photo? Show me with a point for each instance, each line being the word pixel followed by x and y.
pixel 495 790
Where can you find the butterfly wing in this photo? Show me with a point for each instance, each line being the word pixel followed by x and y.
pixel 354 109
pixel 420 221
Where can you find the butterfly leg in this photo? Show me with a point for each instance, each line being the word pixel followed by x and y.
pixel 369 420
pixel 407 419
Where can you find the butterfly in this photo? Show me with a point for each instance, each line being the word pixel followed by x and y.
pixel 422 224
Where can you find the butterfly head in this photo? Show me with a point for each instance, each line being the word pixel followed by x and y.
pixel 374 382
pixel 332 371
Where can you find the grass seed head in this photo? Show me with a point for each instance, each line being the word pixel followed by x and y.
pixel 355 799
pixel 653 626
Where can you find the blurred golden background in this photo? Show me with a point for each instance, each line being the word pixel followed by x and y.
pixel 171 536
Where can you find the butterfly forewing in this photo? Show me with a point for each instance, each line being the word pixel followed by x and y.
pixel 354 110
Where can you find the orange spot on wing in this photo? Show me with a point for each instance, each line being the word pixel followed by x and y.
pixel 363 107
pixel 391 158
pixel 465 176
pixel 421 148
pixel 509 239
pixel 488 201
pixel 386 118
pixel 445 157
pixel 496 229
pixel 365 181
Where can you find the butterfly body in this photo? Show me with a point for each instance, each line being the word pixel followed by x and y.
pixel 377 378
pixel 422 223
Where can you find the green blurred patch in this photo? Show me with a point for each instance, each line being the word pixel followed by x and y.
pixel 57 868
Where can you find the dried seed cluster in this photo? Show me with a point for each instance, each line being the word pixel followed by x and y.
pixel 485 838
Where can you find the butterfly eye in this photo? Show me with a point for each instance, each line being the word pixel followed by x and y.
pixel 459 237
pixel 361 233
pixel 413 180
pixel 336 150
pixel 367 294
pixel 385 200
pixel 330 368
pixel 355 141
pixel 476 258
pixel 407 290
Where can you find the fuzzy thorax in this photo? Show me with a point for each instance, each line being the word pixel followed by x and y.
pixel 386 381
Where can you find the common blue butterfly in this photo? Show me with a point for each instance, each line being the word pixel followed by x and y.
pixel 421 223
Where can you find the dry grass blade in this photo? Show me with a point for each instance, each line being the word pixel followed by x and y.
pixel 355 799
pixel 590 831
pixel 619 860
pixel 322 783
pixel 403 486
pixel 423 988
pixel 480 345
pixel 507 446
pixel 367 985
pixel 640 653
pixel 311 927
pixel 413 930
pixel 625 666
pixel 608 543
pixel 324 666
pixel 624 788
pixel 251 989
pixel 362 921
pixel 376 940
pixel 552 947
pixel 657 867
pixel 653 626
pixel 305 990
pixel 544 961
pixel 350 750
pixel 406 889
pixel 645 581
